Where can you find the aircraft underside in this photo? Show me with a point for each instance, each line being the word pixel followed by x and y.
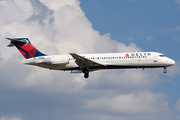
pixel 90 69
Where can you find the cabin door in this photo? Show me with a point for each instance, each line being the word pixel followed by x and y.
pixel 154 58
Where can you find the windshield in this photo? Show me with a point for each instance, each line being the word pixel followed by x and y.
pixel 161 55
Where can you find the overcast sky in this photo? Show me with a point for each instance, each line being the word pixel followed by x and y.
pixel 89 26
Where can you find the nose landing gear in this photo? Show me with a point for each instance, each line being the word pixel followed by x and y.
pixel 165 71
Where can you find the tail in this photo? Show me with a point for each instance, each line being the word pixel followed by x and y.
pixel 25 47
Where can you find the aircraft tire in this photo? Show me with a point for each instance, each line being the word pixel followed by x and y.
pixel 86 75
pixel 165 71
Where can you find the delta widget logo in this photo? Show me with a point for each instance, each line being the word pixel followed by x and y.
pixel 127 55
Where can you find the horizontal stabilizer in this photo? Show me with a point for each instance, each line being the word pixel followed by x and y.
pixel 16 41
pixel 10 45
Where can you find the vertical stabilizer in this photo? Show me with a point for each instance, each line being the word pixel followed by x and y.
pixel 25 47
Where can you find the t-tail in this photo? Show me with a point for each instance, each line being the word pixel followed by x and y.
pixel 25 47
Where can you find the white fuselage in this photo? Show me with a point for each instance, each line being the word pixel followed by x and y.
pixel 109 60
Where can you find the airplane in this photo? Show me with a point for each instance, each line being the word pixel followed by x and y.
pixel 85 63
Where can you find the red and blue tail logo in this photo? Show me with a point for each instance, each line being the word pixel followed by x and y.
pixel 25 47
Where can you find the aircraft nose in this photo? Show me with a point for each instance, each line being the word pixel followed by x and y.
pixel 171 62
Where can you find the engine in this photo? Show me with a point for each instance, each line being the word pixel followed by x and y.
pixel 59 59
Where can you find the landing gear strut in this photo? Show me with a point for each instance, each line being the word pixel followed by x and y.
pixel 165 71
pixel 86 72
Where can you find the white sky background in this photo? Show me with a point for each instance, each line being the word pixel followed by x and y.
pixel 61 27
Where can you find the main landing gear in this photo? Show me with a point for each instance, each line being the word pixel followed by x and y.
pixel 165 70
pixel 86 72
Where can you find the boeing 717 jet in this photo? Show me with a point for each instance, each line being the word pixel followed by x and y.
pixel 85 63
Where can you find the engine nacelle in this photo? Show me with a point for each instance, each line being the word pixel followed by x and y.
pixel 59 59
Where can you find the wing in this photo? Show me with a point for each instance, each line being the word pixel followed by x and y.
pixel 84 62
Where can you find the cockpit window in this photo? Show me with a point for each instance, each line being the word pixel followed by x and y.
pixel 162 55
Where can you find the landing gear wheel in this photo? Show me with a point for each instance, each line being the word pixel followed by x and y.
pixel 86 72
pixel 165 71
pixel 86 75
